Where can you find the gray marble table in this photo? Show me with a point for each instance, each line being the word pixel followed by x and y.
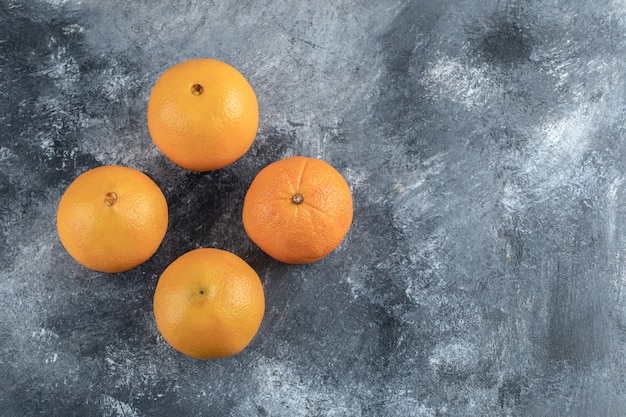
pixel 483 140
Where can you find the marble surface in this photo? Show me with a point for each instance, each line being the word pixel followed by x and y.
pixel 483 141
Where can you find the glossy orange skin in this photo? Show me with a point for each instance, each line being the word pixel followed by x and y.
pixel 203 114
pixel 209 304
pixel 294 231
pixel 114 233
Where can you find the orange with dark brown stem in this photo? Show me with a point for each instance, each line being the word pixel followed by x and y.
pixel 203 114
pixel 298 209
pixel 209 304
pixel 112 218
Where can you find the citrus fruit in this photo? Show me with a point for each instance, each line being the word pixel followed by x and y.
pixel 209 304
pixel 298 209
pixel 112 218
pixel 202 114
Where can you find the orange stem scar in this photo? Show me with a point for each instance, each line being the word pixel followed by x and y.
pixel 297 198
pixel 110 198
pixel 197 89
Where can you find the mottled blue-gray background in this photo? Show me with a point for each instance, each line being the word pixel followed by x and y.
pixel 484 274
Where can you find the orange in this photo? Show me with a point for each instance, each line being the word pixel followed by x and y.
pixel 298 209
pixel 112 218
pixel 209 304
pixel 203 114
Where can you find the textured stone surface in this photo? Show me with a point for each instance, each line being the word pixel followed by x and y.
pixel 484 144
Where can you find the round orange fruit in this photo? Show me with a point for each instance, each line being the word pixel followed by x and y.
pixel 112 218
pixel 203 114
pixel 209 304
pixel 298 209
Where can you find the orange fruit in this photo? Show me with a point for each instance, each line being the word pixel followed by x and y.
pixel 112 218
pixel 203 114
pixel 298 209
pixel 209 304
